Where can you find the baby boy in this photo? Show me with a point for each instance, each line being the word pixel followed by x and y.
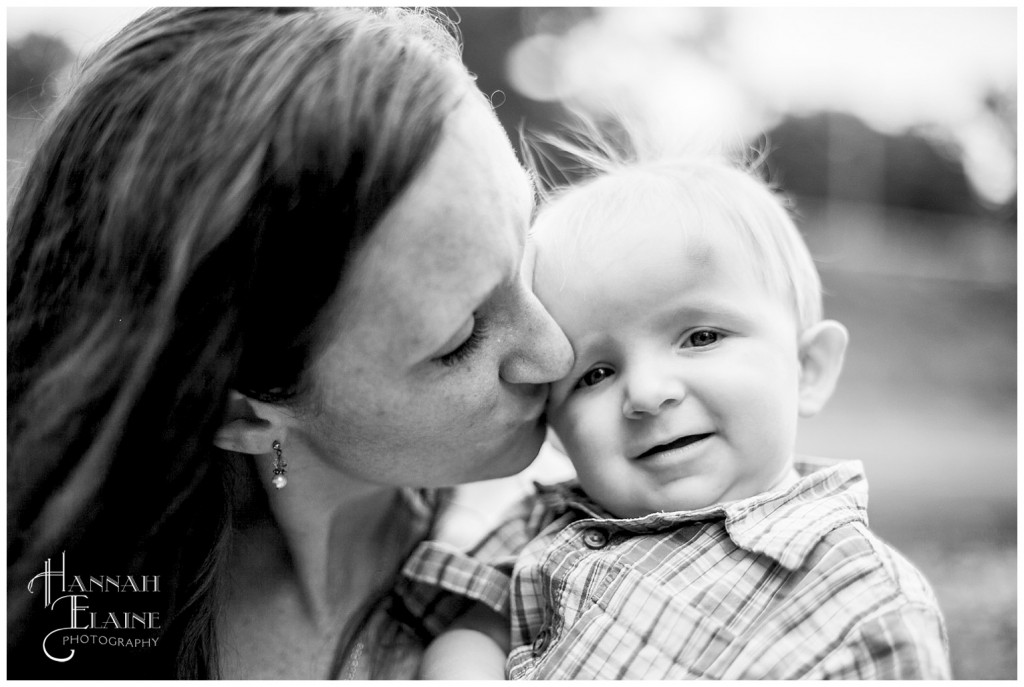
pixel 693 544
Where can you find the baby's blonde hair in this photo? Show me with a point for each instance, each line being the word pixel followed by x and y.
pixel 625 177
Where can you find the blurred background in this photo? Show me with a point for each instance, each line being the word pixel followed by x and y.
pixel 894 130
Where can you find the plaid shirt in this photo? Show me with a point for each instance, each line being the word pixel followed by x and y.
pixel 786 584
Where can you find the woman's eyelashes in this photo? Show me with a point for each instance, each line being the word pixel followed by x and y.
pixel 469 346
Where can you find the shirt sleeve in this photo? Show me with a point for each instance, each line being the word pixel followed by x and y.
pixel 906 643
pixel 439 581
pixel 525 520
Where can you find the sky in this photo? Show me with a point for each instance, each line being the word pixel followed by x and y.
pixel 80 27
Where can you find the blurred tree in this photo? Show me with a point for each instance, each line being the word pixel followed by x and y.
pixel 32 62
pixel 828 154
pixel 808 153
pixel 488 35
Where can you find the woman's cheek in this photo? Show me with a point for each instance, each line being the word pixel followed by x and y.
pixel 468 391
pixel 557 413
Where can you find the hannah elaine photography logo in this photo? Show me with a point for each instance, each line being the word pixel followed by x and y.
pixel 78 602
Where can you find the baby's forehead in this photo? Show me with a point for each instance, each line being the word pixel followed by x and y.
pixel 643 221
pixel 627 211
pixel 682 207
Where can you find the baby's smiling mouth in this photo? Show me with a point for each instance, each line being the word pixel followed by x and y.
pixel 678 443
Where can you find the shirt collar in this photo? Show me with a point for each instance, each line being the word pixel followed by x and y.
pixel 784 524
pixel 788 524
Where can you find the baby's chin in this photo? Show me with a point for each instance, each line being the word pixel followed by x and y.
pixel 691 501
pixel 777 482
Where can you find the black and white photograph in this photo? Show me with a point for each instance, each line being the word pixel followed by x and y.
pixel 512 342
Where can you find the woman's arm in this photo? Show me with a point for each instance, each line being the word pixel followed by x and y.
pixel 473 648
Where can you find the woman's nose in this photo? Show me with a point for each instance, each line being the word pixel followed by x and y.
pixel 649 391
pixel 541 354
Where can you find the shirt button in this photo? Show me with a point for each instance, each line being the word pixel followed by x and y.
pixel 595 538
pixel 541 643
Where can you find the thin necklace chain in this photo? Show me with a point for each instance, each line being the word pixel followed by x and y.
pixel 353 661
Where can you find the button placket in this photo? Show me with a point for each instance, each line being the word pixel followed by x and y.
pixel 542 641
pixel 595 538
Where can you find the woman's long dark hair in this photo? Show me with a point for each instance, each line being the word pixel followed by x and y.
pixel 180 232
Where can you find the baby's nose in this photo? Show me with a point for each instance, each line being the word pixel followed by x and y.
pixel 648 394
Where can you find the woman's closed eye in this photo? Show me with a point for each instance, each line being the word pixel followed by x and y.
pixel 469 345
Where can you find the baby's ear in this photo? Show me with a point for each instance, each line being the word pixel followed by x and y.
pixel 822 348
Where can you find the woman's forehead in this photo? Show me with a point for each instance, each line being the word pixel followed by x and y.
pixel 456 232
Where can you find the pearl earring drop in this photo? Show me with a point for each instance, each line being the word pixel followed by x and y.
pixel 279 467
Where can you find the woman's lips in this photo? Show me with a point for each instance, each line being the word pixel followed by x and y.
pixel 678 443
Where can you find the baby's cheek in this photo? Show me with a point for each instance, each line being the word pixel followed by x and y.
pixel 575 427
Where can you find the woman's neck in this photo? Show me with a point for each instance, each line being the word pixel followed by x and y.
pixel 304 562
pixel 333 542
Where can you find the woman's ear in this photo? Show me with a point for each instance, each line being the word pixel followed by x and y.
pixel 248 426
pixel 822 348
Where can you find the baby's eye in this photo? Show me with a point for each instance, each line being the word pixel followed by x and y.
pixel 595 376
pixel 702 337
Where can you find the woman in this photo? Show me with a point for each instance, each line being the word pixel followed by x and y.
pixel 264 299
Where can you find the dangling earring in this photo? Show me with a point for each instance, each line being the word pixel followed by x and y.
pixel 279 467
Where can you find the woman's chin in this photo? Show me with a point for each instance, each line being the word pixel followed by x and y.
pixel 514 455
